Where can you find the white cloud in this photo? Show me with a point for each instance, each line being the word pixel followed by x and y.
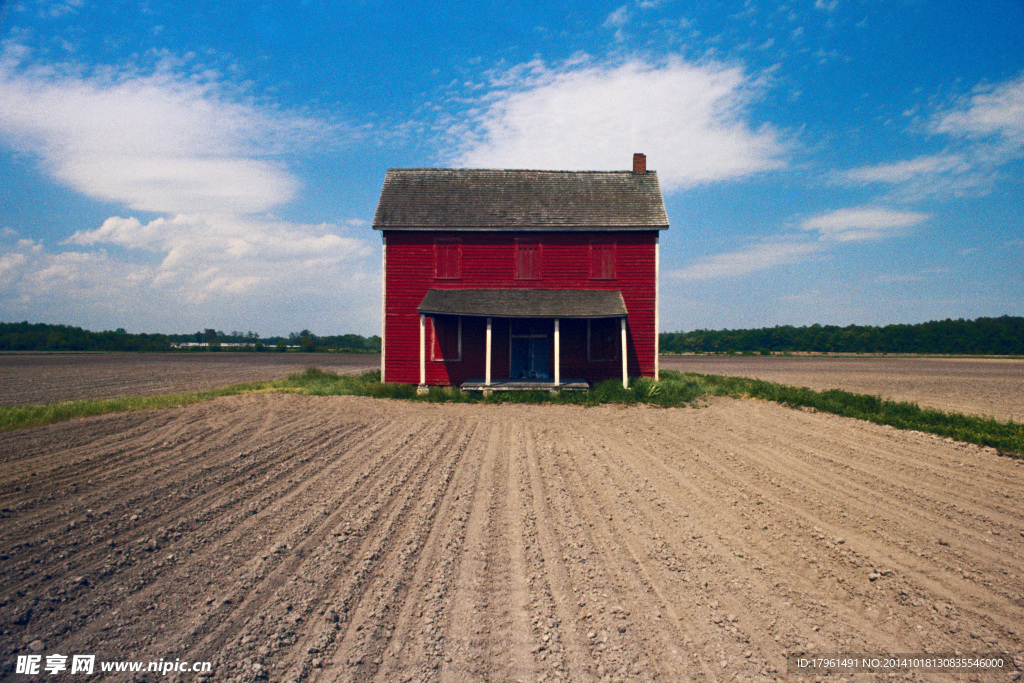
pixel 998 110
pixel 947 174
pixel 10 264
pixel 228 273
pixel 248 251
pixel 211 160
pixel 54 10
pixel 33 279
pixel 986 131
pixel 618 18
pixel 905 171
pixel 763 255
pixel 688 119
pixel 164 142
pixel 833 228
pixel 862 224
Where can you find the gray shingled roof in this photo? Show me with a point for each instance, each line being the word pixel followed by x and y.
pixel 525 303
pixel 494 199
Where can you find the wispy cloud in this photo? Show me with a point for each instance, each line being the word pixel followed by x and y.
pixel 53 10
pixel 618 18
pixel 994 110
pixel 238 251
pixel 908 171
pixel 929 176
pixel 192 147
pixel 828 232
pixel 761 255
pixel 163 141
pixel 985 131
pixel 862 224
pixel 278 278
pixel 690 119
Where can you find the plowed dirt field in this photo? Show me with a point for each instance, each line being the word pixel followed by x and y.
pixel 992 387
pixel 51 377
pixel 291 538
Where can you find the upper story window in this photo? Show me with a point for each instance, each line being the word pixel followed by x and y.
pixel 527 260
pixel 448 259
pixel 602 260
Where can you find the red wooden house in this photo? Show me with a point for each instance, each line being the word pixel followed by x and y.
pixel 519 278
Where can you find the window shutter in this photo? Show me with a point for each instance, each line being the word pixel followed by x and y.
pixel 602 261
pixel 447 259
pixel 527 260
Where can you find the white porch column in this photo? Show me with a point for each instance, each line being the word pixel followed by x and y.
pixel 423 349
pixel 557 363
pixel 625 377
pixel 487 362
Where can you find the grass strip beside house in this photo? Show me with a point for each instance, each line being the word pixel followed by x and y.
pixel 673 390
pixel 1007 437
pixel 32 415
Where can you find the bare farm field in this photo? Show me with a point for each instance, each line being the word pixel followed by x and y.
pixel 294 538
pixel 992 387
pixel 47 378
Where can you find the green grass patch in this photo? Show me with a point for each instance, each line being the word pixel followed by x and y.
pixel 15 417
pixel 315 382
pixel 675 389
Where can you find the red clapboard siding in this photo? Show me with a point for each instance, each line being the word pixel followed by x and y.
pixel 488 260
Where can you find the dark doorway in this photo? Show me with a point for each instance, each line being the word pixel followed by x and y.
pixel 530 349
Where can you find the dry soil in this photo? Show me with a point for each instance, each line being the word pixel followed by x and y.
pixel 51 377
pixel 295 538
pixel 979 386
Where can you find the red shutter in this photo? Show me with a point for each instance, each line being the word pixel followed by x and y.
pixel 602 261
pixel 447 259
pixel 527 260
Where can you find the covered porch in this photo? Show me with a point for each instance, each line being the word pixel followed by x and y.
pixel 532 324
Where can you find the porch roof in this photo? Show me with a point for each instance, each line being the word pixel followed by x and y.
pixel 524 303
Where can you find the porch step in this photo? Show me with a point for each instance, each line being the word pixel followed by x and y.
pixel 525 385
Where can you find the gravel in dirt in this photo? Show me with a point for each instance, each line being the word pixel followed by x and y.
pixel 991 387
pixel 51 377
pixel 293 538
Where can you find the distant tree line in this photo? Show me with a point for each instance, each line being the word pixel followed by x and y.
pixel 26 336
pixel 987 336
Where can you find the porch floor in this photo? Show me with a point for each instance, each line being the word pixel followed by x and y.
pixel 526 385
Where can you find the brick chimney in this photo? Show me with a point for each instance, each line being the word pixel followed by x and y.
pixel 639 163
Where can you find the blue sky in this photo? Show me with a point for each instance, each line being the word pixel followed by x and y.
pixel 170 166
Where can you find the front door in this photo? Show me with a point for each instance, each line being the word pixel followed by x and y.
pixel 529 348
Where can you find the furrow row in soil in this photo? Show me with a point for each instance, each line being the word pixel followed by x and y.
pixel 294 538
